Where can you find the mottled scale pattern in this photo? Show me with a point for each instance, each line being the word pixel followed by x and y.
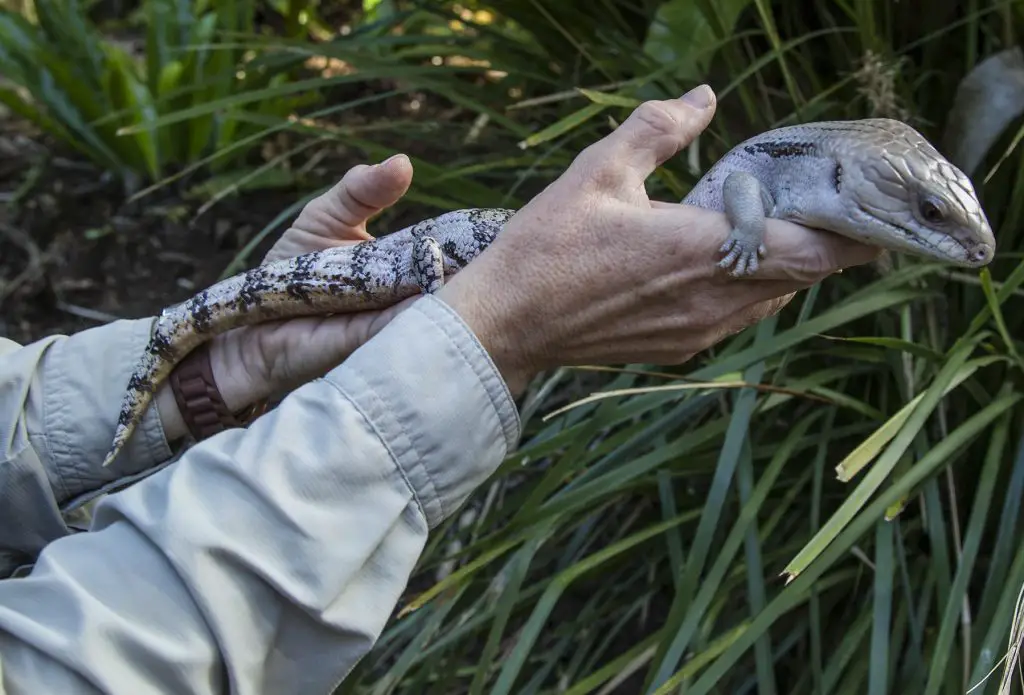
pixel 366 276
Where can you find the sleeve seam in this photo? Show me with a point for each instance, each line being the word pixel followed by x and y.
pixel 53 422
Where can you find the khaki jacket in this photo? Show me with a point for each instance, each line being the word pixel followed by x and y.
pixel 264 560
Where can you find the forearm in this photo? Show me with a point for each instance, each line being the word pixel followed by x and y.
pixel 270 559
pixel 59 399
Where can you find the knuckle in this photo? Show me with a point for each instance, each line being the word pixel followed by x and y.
pixel 821 260
pixel 726 327
pixel 770 307
pixel 804 267
pixel 658 118
pixel 815 262
pixel 781 302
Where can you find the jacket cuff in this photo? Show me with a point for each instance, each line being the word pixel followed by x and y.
pixel 433 459
pixel 74 413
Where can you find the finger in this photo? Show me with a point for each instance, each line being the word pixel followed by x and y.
pixel 369 189
pixel 763 293
pixel 362 193
pixel 795 253
pixel 654 132
pixel 310 346
pixel 805 256
pixel 754 313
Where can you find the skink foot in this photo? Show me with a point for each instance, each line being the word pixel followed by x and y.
pixel 741 257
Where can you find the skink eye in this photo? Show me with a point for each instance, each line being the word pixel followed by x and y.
pixel 932 212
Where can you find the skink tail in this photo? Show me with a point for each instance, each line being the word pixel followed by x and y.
pixel 162 355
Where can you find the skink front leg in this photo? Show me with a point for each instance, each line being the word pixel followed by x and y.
pixel 428 264
pixel 747 204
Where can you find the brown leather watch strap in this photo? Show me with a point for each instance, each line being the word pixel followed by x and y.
pixel 199 400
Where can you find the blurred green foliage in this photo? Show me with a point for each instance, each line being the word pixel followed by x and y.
pixel 84 88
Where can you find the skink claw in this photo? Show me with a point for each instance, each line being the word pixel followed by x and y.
pixel 741 257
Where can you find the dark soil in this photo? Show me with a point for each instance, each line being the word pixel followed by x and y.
pixel 74 253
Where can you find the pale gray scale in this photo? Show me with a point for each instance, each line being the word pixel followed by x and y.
pixel 790 175
pixel 789 183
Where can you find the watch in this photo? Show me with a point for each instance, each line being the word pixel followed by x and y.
pixel 199 400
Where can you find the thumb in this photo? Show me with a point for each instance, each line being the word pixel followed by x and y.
pixel 362 192
pixel 370 189
pixel 654 132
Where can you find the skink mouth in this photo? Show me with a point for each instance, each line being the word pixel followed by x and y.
pixel 979 257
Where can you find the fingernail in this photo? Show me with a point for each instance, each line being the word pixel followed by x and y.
pixel 698 97
pixel 392 158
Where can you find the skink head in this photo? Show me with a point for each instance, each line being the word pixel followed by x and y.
pixel 908 197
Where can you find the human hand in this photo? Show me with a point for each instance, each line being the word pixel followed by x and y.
pixel 592 271
pixel 253 363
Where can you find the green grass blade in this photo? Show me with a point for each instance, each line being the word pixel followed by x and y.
pixel 513 664
pixel 997 314
pixel 670 653
pixel 275 92
pixel 756 591
pixel 878 680
pixel 940 565
pixel 867 450
pixel 886 462
pixel 391 680
pixel 994 647
pixel 794 593
pixel 673 537
pixel 509 595
pixel 942 651
pixel 563 126
pixel 1006 539
pixel 695 610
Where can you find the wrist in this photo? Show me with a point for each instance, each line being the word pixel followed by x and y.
pixel 170 415
pixel 496 332
pixel 202 396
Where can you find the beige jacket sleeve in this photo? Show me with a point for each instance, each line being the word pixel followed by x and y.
pixel 263 560
pixel 58 401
